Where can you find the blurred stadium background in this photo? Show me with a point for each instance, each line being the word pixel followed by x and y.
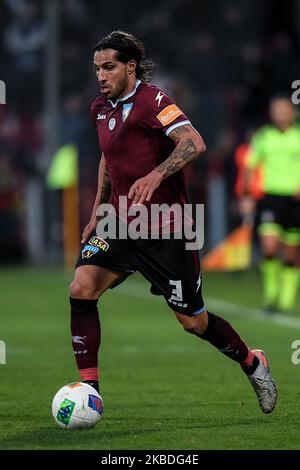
pixel 221 61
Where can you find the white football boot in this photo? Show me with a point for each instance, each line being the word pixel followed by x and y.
pixel 263 384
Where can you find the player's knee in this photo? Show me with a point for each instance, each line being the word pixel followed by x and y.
pixel 80 289
pixel 190 329
pixel 195 325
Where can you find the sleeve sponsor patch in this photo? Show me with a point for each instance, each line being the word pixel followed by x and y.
pixel 169 114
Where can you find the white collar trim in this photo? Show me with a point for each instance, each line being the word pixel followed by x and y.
pixel 114 104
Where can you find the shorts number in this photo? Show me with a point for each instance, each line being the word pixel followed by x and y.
pixel 177 291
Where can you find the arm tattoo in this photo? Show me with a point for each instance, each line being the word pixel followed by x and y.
pixel 184 152
pixel 106 188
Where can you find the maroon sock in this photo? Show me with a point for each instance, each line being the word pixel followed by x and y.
pixel 86 336
pixel 221 335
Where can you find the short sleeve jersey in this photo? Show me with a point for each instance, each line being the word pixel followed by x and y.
pixel 133 135
pixel 278 153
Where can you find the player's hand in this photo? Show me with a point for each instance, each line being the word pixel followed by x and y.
pixel 143 189
pixel 88 229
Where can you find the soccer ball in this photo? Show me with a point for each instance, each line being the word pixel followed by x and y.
pixel 76 406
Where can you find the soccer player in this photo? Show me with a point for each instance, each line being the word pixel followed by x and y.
pixel 146 141
pixel 276 148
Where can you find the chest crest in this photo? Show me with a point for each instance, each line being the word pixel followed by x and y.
pixel 112 124
pixel 127 107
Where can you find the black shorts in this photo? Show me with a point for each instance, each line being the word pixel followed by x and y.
pixel 173 271
pixel 279 215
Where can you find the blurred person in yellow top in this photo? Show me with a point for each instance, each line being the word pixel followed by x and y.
pixel 276 148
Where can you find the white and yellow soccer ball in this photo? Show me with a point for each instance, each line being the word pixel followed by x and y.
pixel 76 406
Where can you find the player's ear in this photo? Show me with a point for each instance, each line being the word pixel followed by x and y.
pixel 131 66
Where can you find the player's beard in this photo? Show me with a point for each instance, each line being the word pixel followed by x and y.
pixel 121 87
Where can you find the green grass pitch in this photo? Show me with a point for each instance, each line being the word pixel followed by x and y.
pixel 162 388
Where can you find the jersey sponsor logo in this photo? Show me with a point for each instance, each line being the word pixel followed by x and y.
pixel 159 97
pixel 169 114
pixel 127 107
pixel 101 116
pixel 112 124
pixel 88 251
pixel 99 243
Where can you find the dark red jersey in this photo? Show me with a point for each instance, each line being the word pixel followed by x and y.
pixel 133 135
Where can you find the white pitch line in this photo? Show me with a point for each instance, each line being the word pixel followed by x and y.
pixel 251 313
pixel 141 291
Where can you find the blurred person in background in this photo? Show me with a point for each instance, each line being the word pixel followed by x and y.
pixel 241 156
pixel 246 206
pixel 24 39
pixel 276 148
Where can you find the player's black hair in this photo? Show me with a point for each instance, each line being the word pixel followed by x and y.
pixel 128 47
pixel 281 95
